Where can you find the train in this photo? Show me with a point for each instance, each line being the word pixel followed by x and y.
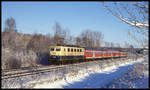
pixel 75 53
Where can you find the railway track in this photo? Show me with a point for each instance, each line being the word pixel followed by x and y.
pixel 6 74
pixel 13 74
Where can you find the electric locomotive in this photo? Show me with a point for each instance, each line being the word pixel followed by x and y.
pixel 60 53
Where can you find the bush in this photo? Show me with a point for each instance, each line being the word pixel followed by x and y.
pixel 22 58
pixel 28 57
pixel 13 63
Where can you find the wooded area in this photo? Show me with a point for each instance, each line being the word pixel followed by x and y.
pixel 23 50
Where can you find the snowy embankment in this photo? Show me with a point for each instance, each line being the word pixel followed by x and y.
pixel 137 77
pixel 92 76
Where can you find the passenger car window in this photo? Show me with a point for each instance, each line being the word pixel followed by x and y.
pixel 74 50
pixel 89 53
pixel 68 49
pixel 71 50
pixel 80 50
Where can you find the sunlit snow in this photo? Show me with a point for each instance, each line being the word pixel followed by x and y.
pixel 91 79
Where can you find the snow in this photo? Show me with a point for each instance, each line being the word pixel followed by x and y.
pixel 137 77
pixel 91 79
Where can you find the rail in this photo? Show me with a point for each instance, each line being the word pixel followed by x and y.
pixel 32 77
pixel 37 70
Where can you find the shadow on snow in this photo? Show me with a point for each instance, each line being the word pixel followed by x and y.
pixel 98 80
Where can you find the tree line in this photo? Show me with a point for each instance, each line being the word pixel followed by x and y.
pixel 17 47
pixel 33 49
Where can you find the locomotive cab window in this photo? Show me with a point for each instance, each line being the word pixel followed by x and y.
pixel 71 50
pixel 52 49
pixel 57 49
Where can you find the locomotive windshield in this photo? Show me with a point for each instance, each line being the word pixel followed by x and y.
pixel 52 49
pixel 57 49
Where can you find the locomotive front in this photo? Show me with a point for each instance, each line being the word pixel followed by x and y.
pixel 55 53
pixel 63 53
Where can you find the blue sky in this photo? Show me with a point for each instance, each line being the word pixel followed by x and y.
pixel 40 17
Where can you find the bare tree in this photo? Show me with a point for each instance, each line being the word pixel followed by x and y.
pixel 39 43
pixel 134 14
pixel 89 38
pixel 9 36
pixel 69 39
pixel 98 36
pixel 118 45
pixel 106 44
pixel 10 25
pixel 78 41
pixel 126 45
pixel 13 63
pixel 59 34
pixel 85 39
pixel 111 44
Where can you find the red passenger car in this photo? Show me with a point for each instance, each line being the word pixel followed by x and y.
pixel 93 54
pixel 96 54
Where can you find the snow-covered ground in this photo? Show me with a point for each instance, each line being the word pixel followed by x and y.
pixel 103 78
pixel 136 77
